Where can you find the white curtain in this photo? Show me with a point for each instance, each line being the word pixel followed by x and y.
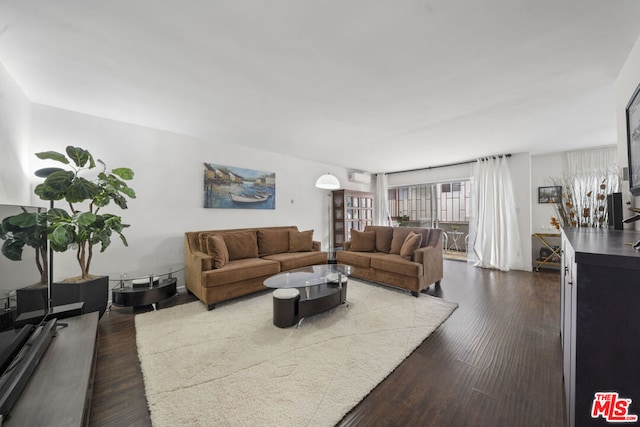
pixel 601 159
pixel 494 239
pixel 382 200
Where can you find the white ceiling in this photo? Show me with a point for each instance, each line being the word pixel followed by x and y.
pixel 372 85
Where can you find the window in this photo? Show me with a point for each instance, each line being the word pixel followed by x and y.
pixel 428 205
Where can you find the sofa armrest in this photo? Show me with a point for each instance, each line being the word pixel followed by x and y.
pixel 432 260
pixel 317 246
pixel 195 262
pixel 347 245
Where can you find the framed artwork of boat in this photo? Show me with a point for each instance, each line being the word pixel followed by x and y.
pixel 230 187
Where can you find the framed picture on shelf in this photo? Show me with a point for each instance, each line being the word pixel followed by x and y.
pixel 550 194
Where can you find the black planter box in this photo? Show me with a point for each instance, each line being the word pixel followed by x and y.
pixel 94 293
pixel 31 298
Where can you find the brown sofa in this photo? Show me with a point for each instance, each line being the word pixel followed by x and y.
pixel 405 257
pixel 225 264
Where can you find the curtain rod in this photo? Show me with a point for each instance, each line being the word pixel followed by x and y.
pixel 452 164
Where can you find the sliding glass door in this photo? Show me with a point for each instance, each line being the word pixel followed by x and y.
pixel 436 205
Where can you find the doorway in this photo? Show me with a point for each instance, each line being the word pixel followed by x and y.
pixel 442 205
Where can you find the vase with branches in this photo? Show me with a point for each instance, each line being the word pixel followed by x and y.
pixel 584 199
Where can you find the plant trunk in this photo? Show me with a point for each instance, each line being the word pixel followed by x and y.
pixel 43 265
pixel 81 257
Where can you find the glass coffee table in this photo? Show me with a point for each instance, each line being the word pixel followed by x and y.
pixel 307 291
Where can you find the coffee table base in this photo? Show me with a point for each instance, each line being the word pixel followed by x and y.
pixel 288 312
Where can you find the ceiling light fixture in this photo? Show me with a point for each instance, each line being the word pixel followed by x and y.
pixel 328 182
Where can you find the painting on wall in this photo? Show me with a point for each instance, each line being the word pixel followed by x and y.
pixel 230 187
pixel 550 194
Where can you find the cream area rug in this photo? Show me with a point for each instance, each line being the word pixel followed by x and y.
pixel 232 367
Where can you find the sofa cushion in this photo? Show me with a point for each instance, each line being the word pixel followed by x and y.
pixel 411 243
pixel 272 242
pixel 396 264
pixel 300 241
pixel 289 261
pixel 239 270
pixel 355 259
pixel 217 248
pixel 241 244
pixel 363 241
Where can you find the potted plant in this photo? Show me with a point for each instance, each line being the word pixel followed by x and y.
pixel 28 229
pixel 84 224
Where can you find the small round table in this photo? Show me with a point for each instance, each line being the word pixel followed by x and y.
pixel 146 287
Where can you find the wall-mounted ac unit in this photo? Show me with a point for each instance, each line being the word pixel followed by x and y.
pixel 362 178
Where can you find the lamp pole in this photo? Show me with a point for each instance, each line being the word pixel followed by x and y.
pixel 328 182
pixel 44 173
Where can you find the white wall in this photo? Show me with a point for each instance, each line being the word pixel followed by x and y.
pixel 626 83
pixel 520 168
pixel 543 168
pixel 431 176
pixel 14 125
pixel 169 187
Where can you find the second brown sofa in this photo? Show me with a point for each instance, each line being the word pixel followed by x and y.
pixel 405 257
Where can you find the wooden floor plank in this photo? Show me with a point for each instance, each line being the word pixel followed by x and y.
pixel 496 361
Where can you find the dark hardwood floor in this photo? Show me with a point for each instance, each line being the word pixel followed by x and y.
pixel 495 362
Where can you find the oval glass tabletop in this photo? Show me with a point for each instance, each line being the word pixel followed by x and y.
pixel 145 274
pixel 312 275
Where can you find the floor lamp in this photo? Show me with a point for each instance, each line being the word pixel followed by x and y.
pixel 329 182
pixel 44 173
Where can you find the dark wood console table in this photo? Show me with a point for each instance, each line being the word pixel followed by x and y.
pixel 59 391
pixel 600 325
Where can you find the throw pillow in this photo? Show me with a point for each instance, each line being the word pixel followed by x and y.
pixel 218 250
pixel 399 236
pixel 241 245
pixel 363 241
pixel 384 235
pixel 411 243
pixel 273 242
pixel 300 241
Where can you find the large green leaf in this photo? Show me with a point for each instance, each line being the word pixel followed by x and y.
pixel 80 190
pixel 24 219
pixel 47 193
pixel 12 250
pixel 80 157
pixel 60 180
pixel 86 218
pixel 56 215
pixel 129 192
pixel 53 155
pixel 55 186
pixel 62 235
pixel 124 173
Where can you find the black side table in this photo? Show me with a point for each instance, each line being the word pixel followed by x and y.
pixel 129 296
pixel 137 290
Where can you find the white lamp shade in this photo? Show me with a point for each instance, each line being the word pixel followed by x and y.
pixel 328 182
